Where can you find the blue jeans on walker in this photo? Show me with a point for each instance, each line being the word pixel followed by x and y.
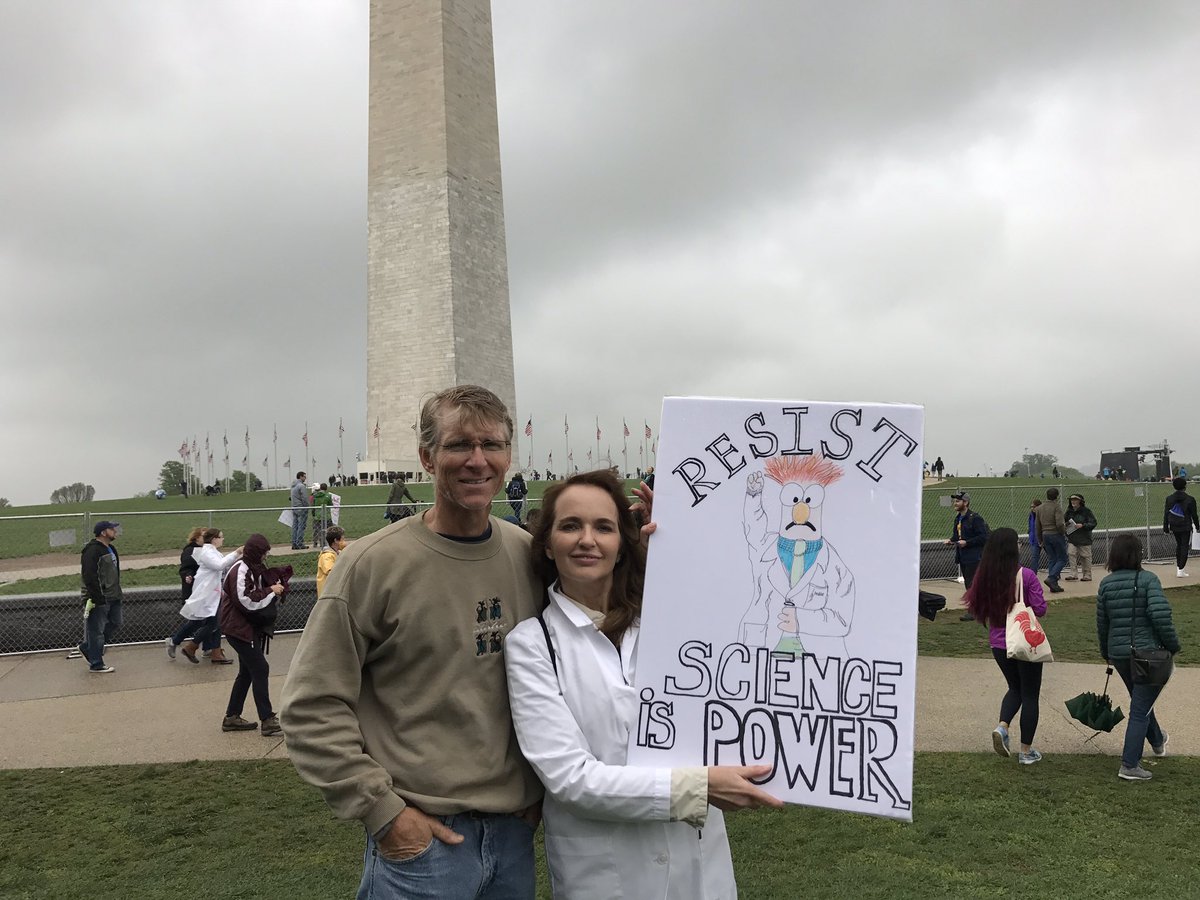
pixel 299 520
pixel 102 624
pixel 1142 726
pixel 494 862
pixel 1056 552
pixel 205 632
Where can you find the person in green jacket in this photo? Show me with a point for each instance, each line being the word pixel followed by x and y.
pixel 1131 609
pixel 322 500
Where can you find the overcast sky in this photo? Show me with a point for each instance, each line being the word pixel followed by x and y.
pixel 988 209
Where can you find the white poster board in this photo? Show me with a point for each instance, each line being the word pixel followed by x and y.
pixel 779 622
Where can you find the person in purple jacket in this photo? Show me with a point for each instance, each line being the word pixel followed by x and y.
pixel 990 597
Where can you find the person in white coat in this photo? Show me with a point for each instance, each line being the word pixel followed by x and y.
pixel 612 830
pixel 200 610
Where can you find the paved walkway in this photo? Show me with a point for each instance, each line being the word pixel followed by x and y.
pixel 154 710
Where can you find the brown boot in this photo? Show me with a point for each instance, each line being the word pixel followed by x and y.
pixel 188 649
pixel 218 658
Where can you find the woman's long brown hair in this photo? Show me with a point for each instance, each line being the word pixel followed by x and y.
pixel 629 574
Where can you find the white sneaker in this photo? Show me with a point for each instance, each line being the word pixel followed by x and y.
pixel 1179 573
pixel 171 647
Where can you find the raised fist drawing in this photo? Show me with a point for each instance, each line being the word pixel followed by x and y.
pixel 754 484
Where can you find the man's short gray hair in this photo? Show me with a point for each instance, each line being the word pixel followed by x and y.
pixel 475 404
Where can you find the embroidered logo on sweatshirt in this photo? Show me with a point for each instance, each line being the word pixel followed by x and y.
pixel 489 626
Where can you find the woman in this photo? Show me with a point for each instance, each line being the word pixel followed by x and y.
pixel 609 826
pixel 991 596
pixel 249 591
pixel 204 596
pixel 1130 605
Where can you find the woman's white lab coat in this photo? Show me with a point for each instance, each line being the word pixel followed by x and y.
pixel 206 585
pixel 608 832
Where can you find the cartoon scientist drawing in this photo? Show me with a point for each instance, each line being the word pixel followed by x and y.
pixel 802 588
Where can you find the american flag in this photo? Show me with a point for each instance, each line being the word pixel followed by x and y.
pixel 305 438
pixel 314 462
pixel 183 450
pixel 226 438
pixel 597 429
pixel 193 446
pixel 341 429
pixel 245 459
pixel 589 456
pixel 264 462
pixel 339 468
pixel 626 427
pixel 566 427
pixel 529 427
pixel 287 463
pixel 247 435
pixel 210 457
pixel 648 435
pixel 376 429
pixel 571 456
pixel 206 443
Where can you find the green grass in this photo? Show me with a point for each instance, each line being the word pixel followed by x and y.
pixel 984 827
pixel 153 526
pixel 1070 624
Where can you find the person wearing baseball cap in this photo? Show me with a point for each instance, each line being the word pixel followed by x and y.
pixel 100 586
pixel 1080 522
pixel 967 537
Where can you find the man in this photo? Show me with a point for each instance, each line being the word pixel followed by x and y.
pixel 100 586
pixel 1052 535
pixel 396 705
pixel 1079 523
pixel 1179 516
pixel 938 468
pixel 299 511
pixel 968 536
pixel 516 491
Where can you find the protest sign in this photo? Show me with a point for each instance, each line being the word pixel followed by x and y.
pixel 779 619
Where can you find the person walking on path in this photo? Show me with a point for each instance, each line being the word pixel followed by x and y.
pixel 938 468
pixel 1035 549
pixel 188 564
pixel 396 703
pixel 200 627
pixel 968 536
pixel 100 578
pixel 1052 535
pixel 516 492
pixel 247 595
pixel 1131 609
pixel 990 599
pixel 1179 518
pixel 1080 521
pixel 299 499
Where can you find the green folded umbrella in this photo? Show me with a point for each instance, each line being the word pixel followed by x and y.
pixel 1095 710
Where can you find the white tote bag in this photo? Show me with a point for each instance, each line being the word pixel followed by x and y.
pixel 1023 633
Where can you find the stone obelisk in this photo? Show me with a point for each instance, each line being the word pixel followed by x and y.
pixel 437 305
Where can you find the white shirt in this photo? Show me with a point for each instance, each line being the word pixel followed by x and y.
pixel 608 828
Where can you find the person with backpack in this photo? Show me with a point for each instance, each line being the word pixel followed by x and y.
pixel 1179 518
pixel 516 492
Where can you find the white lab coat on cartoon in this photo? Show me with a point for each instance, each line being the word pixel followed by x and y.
pixel 608 832
pixel 813 603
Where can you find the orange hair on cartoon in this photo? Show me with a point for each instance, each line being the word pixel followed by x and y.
pixel 802 470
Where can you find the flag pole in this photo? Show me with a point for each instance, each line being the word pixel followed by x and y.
pixel 597 440
pixel 275 443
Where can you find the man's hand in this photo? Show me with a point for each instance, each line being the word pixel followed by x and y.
pixel 729 788
pixel 962 543
pixel 277 587
pixel 187 578
pixel 412 832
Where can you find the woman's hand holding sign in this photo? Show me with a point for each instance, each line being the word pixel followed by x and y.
pixel 730 788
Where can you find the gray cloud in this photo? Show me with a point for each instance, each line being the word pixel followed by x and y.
pixel 984 208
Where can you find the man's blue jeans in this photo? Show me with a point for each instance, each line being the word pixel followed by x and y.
pixel 1035 561
pixel 102 624
pixel 299 520
pixel 1142 726
pixel 494 862
pixel 1056 553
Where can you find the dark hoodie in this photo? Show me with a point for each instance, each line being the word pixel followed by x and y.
pixel 1083 517
pixel 1179 513
pixel 100 572
pixel 254 579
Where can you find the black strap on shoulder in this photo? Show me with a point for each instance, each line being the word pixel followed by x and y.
pixel 549 644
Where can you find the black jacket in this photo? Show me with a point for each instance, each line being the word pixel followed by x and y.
pixel 974 531
pixel 1186 504
pixel 1081 536
pixel 187 566
pixel 99 573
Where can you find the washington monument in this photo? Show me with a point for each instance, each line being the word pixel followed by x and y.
pixel 437 281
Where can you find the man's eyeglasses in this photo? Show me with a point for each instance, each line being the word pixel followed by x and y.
pixel 466 448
